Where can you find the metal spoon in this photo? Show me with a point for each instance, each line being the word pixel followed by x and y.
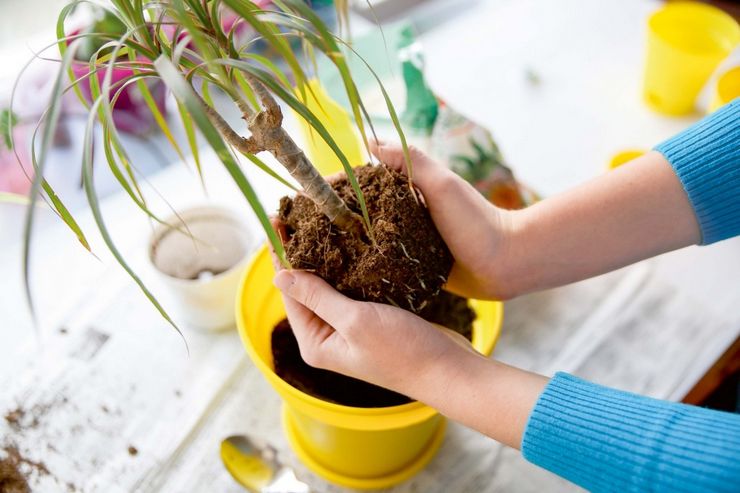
pixel 254 464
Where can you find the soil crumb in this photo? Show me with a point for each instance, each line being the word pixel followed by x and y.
pixel 409 263
pixel 11 479
pixel 14 417
pixel 15 470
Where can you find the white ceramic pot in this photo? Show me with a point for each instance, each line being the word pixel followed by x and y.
pixel 201 264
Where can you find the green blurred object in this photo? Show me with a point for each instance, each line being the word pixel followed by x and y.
pixel 464 146
pixel 422 107
pixel 106 23
pixel 8 120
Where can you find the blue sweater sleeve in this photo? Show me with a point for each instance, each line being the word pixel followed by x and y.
pixel 608 440
pixel 706 158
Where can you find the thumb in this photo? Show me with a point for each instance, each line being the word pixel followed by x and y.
pixel 389 154
pixel 426 172
pixel 315 294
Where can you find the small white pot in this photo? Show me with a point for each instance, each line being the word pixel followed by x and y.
pixel 202 267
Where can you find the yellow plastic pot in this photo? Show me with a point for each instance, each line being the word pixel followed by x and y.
pixel 363 448
pixel 727 89
pixel 686 43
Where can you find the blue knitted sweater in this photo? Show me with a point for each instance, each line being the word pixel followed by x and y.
pixel 609 440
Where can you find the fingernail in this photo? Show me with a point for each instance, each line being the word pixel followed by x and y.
pixel 284 280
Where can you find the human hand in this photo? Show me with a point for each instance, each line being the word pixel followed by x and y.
pixel 378 343
pixel 398 350
pixel 476 232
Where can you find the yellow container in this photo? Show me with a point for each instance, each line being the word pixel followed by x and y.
pixel 337 123
pixel 364 448
pixel 686 42
pixel 623 157
pixel 727 89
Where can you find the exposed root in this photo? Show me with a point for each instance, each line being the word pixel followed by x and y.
pixel 407 254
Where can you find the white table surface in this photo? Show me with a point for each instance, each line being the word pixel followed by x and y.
pixel 118 376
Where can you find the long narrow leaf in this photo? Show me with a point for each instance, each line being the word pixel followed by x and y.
pixel 49 129
pixel 92 199
pixel 391 112
pixel 185 93
pixel 268 31
pixel 56 203
pixel 158 116
pixel 264 167
pixel 189 127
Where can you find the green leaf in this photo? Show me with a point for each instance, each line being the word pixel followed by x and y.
pixel 271 35
pixel 92 199
pixel 8 120
pixel 159 118
pixel 261 165
pixel 391 112
pixel 186 95
pixel 52 118
pixel 189 127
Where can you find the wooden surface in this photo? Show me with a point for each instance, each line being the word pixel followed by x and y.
pixel 724 368
pixel 107 377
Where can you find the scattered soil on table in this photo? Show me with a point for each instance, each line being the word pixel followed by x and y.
pixel 21 418
pixel 15 470
pixel 445 309
pixel 14 417
pixel 409 263
pixel 11 479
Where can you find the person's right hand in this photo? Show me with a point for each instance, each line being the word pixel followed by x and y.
pixel 475 231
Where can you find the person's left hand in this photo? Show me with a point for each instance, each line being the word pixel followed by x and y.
pixel 398 350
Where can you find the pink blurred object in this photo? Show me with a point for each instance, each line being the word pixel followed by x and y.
pixel 130 113
pixel 12 178
pixel 229 18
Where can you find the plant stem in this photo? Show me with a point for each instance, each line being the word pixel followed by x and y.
pixel 269 135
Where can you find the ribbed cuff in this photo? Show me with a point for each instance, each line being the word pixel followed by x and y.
pixel 706 157
pixel 608 440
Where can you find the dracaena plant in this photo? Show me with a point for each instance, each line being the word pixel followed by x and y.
pixel 183 43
